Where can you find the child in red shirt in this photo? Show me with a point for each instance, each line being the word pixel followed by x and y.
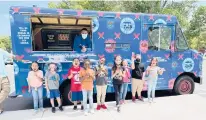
pixel 76 88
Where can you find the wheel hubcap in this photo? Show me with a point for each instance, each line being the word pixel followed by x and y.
pixel 185 87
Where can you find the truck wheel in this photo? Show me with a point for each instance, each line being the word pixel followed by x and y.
pixel 66 95
pixel 184 85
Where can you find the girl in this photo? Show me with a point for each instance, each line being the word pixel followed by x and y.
pixel 87 77
pixel 101 83
pixel 52 86
pixel 152 72
pixel 126 80
pixel 35 77
pixel 117 76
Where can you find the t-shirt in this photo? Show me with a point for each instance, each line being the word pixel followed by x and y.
pixel 79 42
pixel 87 83
pixel 52 80
pixel 153 73
pixel 3 55
pixel 75 82
pixel 127 75
pixel 137 73
pixel 35 78
pixel 117 79
pixel 101 78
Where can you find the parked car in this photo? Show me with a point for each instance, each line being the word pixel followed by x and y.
pixel 9 61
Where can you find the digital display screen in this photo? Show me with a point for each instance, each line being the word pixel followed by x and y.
pixel 63 37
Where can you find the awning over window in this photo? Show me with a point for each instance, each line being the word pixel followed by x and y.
pixel 60 20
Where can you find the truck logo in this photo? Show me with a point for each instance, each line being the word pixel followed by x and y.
pixel 188 65
pixel 127 25
pixel 110 24
pixel 95 24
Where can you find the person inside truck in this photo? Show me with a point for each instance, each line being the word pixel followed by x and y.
pixel 82 42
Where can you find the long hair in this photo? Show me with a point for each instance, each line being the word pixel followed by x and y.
pixel 153 58
pixel 86 60
pixel 32 64
pixel 114 68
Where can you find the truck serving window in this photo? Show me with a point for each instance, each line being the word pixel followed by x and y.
pixel 181 43
pixel 159 37
pixel 57 33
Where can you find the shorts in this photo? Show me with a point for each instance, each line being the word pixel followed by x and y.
pixel 77 96
pixel 54 93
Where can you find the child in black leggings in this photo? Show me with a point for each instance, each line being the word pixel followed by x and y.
pixel 117 76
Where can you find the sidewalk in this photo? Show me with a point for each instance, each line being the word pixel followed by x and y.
pixel 187 107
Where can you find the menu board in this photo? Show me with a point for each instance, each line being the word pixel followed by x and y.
pixel 63 37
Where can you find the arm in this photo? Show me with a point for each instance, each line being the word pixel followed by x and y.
pixel 92 75
pixel 28 80
pixel 113 74
pixel 123 73
pixel 58 78
pixel 46 81
pixel 89 43
pixel 147 70
pixel 70 74
pixel 133 65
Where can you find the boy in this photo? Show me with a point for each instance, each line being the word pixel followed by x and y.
pixel 76 88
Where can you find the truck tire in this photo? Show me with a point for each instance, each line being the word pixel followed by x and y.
pixel 184 85
pixel 66 95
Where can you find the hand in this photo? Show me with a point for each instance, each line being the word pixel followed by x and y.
pixel 47 89
pixel 84 49
pixel 163 69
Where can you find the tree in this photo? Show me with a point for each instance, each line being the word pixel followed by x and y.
pixel 197 28
pixel 5 43
pixel 180 9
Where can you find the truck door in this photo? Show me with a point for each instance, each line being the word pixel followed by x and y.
pixel 158 38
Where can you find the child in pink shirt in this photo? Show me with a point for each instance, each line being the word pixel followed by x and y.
pixel 35 77
pixel 126 80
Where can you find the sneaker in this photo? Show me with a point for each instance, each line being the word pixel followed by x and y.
pixel 118 108
pixel 85 113
pixel 82 107
pixel 104 106
pixel 140 98
pixel 98 107
pixel 133 99
pixel 121 102
pixel 124 102
pixel 1 112
pixel 53 110
pixel 149 100
pixel 91 111
pixel 61 108
pixel 35 112
pixel 75 108
pixel 42 109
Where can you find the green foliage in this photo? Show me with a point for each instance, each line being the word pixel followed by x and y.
pixel 194 30
pixel 5 43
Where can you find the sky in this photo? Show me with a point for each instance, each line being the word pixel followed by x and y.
pixel 5 5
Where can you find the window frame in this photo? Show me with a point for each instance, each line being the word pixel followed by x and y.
pixel 176 41
pixel 150 41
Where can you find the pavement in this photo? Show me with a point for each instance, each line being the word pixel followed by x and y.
pixel 188 107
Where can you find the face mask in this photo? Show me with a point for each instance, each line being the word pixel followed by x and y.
pixel 138 60
pixel 84 36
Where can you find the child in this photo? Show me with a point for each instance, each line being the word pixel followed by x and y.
pixel 35 77
pixel 52 86
pixel 152 71
pixel 126 80
pixel 76 89
pixel 87 77
pixel 101 83
pixel 117 76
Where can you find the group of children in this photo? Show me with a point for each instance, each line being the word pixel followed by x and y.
pixel 82 79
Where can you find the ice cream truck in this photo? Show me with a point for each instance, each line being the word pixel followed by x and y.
pixel 47 35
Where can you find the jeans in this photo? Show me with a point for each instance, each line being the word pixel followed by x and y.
pixel 37 97
pixel 4 90
pixel 151 88
pixel 117 89
pixel 87 94
pixel 123 91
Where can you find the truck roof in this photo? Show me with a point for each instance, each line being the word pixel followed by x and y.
pixel 38 10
